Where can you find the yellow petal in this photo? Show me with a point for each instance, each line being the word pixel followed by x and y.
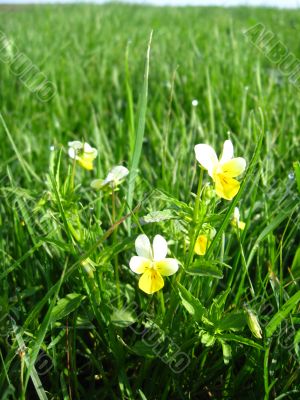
pixel 151 281
pixel 86 163
pixel 234 167
pixel 226 187
pixel 201 245
pixel 241 225
pixel 139 264
pixel 167 267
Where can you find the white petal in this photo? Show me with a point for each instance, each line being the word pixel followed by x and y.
pixel 236 214
pixel 72 153
pixel 76 145
pixel 227 152
pixel 167 267
pixel 207 157
pixel 139 264
pixel 234 167
pixel 160 248
pixel 119 172
pixel 108 179
pixel 143 247
pixel 89 150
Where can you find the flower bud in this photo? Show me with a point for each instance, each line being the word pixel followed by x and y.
pixel 253 324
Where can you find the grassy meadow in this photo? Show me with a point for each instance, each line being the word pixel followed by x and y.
pixel 74 323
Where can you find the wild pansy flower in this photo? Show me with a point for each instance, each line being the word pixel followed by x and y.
pixel 83 153
pixel 236 220
pixel 113 179
pixel 203 240
pixel 222 171
pixel 201 245
pixel 152 263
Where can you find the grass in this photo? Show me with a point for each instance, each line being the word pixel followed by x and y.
pixel 73 321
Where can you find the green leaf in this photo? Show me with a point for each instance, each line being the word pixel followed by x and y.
pixel 122 318
pixel 33 374
pixel 142 349
pixel 282 314
pixel 226 348
pixel 296 343
pixel 139 135
pixel 296 166
pixel 295 268
pixel 217 307
pixel 205 268
pixel 239 339
pixel 66 306
pixel 190 303
pixel 232 321
pixel 157 216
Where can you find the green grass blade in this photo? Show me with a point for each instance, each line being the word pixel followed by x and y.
pixel 282 314
pixel 139 135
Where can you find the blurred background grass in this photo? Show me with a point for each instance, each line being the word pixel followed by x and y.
pixel 197 53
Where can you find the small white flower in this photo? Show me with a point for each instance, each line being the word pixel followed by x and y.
pixel 236 214
pixel 236 219
pixel 116 175
pixel 195 103
pixel 52 148
pixel 113 179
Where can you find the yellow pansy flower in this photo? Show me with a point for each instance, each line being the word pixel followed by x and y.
pixel 201 245
pixel 236 220
pixel 152 263
pixel 83 153
pixel 222 170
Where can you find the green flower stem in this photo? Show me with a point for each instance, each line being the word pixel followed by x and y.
pixel 114 237
pixel 195 219
pixel 162 302
pixel 198 197
pixel 73 175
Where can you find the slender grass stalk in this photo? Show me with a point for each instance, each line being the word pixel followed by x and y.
pixel 139 135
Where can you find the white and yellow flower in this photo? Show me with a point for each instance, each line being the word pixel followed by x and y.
pixel 83 153
pixel 152 263
pixel 222 170
pixel 114 178
pixel 236 220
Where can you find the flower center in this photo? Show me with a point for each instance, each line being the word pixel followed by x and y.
pixel 152 265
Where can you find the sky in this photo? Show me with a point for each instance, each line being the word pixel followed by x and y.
pixel 271 3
